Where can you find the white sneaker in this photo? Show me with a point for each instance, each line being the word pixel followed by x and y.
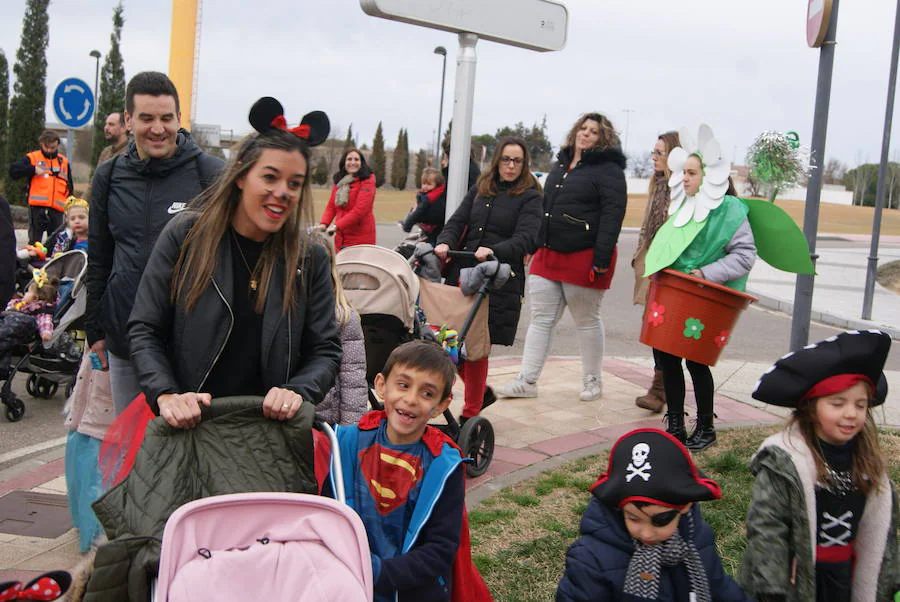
pixel 518 388
pixel 593 388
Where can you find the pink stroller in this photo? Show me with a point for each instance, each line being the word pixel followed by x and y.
pixel 266 546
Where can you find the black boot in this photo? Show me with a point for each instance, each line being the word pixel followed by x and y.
pixel 704 433
pixel 675 425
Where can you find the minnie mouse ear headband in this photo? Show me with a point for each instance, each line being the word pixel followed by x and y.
pixel 828 367
pixel 267 114
pixel 650 465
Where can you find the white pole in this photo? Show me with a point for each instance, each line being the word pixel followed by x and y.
pixel 461 135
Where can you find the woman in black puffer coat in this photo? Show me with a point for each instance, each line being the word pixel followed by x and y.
pixel 584 205
pixel 499 216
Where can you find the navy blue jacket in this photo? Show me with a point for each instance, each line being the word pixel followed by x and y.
pixel 598 560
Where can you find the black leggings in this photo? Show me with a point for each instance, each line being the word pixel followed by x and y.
pixel 673 380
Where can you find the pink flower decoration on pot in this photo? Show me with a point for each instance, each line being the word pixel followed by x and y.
pixel 656 315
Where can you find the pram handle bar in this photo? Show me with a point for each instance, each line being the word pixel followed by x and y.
pixel 468 255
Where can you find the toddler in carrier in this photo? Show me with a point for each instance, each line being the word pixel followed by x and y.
pixel 28 315
pixel 431 202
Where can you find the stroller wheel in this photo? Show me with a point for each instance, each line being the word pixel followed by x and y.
pixel 69 388
pixel 15 410
pixel 38 386
pixel 31 385
pixel 476 440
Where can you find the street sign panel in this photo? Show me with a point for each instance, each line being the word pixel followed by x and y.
pixel 73 102
pixel 533 24
pixel 818 17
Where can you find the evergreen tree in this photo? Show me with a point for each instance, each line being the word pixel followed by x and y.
pixel 4 111
pixel 26 110
pixel 348 143
pixel 112 84
pixel 320 172
pixel 421 163
pixel 379 160
pixel 397 162
pixel 403 175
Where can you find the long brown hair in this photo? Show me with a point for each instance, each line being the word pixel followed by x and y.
pixel 868 460
pixel 670 140
pixel 343 309
pixel 608 136
pixel 364 170
pixel 490 178
pixel 199 254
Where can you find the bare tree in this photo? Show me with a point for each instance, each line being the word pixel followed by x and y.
pixel 641 165
pixel 833 171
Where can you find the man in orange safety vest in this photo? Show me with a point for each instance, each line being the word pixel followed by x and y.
pixel 50 184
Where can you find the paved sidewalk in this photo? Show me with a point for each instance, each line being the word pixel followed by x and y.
pixel 838 287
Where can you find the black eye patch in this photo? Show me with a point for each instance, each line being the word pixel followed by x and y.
pixel 664 518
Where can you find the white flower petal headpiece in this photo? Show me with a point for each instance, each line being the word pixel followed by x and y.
pixel 715 176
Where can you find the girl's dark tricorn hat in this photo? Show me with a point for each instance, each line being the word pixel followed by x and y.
pixel 650 465
pixel 827 367
pixel 267 114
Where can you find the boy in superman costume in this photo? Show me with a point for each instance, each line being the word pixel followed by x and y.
pixel 405 479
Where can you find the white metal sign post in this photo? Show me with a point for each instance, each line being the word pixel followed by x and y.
pixel 532 24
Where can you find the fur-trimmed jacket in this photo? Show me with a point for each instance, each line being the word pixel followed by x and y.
pixel 781 528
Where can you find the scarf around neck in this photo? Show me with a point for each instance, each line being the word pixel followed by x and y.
pixel 343 191
pixel 642 577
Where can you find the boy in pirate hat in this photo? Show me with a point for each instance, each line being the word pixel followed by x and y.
pixel 642 536
pixel 822 523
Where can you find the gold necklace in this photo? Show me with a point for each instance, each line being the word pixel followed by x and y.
pixel 253 282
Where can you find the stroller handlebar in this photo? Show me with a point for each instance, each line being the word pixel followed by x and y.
pixel 468 255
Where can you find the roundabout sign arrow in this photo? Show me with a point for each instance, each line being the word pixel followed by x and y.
pixel 73 102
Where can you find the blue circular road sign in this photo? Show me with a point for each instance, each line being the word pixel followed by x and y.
pixel 73 102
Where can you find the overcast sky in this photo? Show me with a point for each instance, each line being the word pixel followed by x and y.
pixel 740 66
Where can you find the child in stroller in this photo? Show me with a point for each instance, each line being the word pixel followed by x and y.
pixel 28 316
pixel 53 359
pixel 72 235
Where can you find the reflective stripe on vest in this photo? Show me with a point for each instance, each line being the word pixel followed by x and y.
pixel 49 190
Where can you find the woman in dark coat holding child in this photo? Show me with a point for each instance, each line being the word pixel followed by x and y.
pixel 499 216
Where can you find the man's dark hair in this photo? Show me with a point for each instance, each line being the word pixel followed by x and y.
pixel 425 356
pixel 152 83
pixel 121 114
pixel 48 137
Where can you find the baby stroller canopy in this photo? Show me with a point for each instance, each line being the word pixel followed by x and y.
pixel 377 280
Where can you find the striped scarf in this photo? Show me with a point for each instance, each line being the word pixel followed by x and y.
pixel 642 577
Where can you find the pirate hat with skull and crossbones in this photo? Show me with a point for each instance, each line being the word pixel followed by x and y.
pixel 650 465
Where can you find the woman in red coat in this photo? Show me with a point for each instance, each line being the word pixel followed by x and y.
pixel 350 205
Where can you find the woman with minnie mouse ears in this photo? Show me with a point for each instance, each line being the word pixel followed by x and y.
pixel 235 299
pixel 822 523
pixel 642 535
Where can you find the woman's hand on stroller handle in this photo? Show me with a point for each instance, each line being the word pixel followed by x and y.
pixel 484 254
pixel 281 404
pixel 182 410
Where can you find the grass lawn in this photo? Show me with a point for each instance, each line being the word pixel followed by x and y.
pixel 520 535
pixel 393 205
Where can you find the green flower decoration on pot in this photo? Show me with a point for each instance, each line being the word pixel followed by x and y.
pixel 693 328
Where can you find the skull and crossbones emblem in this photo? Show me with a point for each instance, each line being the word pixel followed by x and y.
pixel 639 466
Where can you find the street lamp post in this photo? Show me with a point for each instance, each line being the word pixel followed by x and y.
pixel 96 55
pixel 443 52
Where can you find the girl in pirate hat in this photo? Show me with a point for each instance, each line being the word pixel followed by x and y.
pixel 822 523
pixel 642 536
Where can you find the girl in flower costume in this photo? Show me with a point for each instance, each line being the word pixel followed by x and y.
pixel 712 234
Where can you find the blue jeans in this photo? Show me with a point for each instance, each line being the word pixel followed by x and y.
pixel 123 382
